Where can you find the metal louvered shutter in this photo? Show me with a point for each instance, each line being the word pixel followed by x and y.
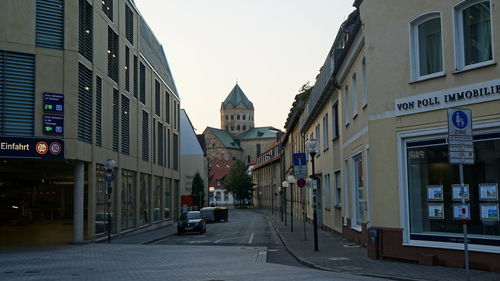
pixel 176 152
pixel 116 117
pixel 50 24
pixel 135 76
pixel 127 69
pixel 113 61
pixel 169 150
pixel 125 135
pixel 167 105
pixel 98 109
pixel 160 144
pixel 145 136
pixel 84 103
pixel 142 77
pixel 107 8
pixel 129 24
pixel 85 30
pixel 157 98
pixel 17 94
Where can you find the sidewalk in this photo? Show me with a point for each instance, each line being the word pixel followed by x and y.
pixel 146 236
pixel 340 255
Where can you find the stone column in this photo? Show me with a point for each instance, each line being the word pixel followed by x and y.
pixel 78 199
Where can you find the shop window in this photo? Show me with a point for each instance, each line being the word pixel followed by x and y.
pixel 144 201
pixel 426 47
pixel 358 189
pixel 128 199
pixel 434 192
pixel 473 38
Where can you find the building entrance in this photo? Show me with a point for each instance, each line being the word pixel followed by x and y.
pixel 36 203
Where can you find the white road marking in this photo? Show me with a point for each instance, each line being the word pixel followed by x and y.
pixel 251 238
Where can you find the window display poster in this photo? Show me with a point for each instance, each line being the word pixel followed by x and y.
pixel 435 192
pixel 488 191
pixel 457 191
pixel 489 212
pixel 457 211
pixel 436 211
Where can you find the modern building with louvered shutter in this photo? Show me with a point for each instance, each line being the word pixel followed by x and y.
pixel 69 101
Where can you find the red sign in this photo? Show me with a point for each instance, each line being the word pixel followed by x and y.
pixel 187 200
pixel 41 147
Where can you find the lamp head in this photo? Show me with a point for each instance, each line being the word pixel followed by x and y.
pixel 311 146
pixel 109 165
pixel 285 184
pixel 290 179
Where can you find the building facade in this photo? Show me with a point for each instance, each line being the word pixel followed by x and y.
pixel 448 61
pixel 82 82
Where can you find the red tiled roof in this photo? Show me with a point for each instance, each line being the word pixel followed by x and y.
pixel 218 170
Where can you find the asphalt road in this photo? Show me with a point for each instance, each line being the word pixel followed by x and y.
pixel 245 227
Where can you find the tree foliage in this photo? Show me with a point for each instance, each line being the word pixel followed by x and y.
pixel 198 190
pixel 238 182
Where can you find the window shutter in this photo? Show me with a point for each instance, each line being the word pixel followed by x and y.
pixel 125 126
pixel 160 144
pixel 85 34
pixel 145 136
pixel 129 24
pixel 127 69
pixel 113 51
pixel 50 24
pixel 17 92
pixel 84 103
pixel 107 8
pixel 135 76
pixel 142 74
pixel 157 98
pixel 116 117
pixel 98 108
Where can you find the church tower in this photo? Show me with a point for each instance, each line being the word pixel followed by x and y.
pixel 236 112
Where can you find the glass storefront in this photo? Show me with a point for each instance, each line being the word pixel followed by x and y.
pixel 157 199
pixel 144 199
pixel 128 198
pixel 168 199
pixel 434 192
pixel 103 203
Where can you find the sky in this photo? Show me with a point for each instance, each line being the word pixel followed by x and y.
pixel 269 47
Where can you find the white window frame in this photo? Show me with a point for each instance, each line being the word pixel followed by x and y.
pixel 345 183
pixel 346 106
pixel 326 141
pixel 355 193
pixel 414 50
pixel 354 83
pixel 426 134
pixel 338 189
pixel 459 36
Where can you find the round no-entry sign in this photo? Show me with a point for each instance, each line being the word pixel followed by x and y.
pixel 301 182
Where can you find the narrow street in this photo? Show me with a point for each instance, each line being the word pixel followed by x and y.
pixel 245 227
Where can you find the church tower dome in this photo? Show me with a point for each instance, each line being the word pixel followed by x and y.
pixel 237 112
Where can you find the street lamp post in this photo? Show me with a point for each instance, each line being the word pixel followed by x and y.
pixel 284 184
pixel 311 149
pixel 290 179
pixel 109 165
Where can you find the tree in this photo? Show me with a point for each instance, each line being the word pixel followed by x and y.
pixel 198 190
pixel 238 182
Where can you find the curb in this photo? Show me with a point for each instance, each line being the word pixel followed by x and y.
pixel 317 266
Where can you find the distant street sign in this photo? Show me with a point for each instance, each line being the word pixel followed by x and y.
pixel 299 165
pixel 460 140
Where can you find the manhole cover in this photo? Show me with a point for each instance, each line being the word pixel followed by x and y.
pixel 339 259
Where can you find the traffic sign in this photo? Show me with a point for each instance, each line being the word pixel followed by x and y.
pixel 301 182
pixel 460 140
pixel 299 165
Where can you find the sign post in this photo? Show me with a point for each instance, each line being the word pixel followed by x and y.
pixel 461 151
